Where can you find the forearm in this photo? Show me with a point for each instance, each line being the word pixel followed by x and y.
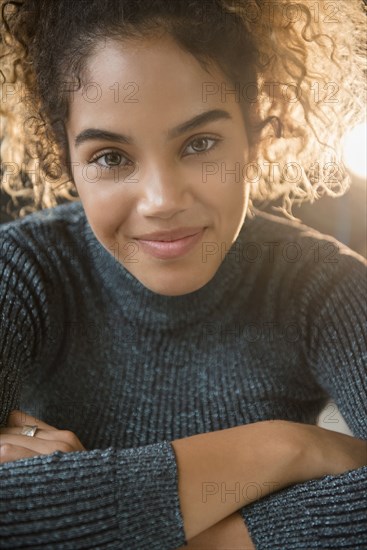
pixel 231 533
pixel 220 472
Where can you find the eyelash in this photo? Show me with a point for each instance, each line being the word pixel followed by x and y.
pixel 108 168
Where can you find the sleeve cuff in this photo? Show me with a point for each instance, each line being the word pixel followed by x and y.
pixel 153 480
pixel 326 513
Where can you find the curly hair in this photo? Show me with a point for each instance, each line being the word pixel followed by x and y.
pixel 297 66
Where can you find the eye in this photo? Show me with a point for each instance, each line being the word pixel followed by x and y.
pixel 112 160
pixel 200 144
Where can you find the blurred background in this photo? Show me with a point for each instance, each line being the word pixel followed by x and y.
pixel 344 218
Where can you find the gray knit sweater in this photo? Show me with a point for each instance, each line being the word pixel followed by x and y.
pixel 278 330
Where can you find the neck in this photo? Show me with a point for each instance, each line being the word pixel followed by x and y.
pixel 145 307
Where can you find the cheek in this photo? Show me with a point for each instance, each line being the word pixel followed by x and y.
pixel 107 205
pixel 223 178
pixel 227 192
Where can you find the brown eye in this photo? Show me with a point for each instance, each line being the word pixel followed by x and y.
pixel 110 160
pixel 113 159
pixel 202 145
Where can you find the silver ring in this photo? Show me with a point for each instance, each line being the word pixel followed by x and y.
pixel 29 430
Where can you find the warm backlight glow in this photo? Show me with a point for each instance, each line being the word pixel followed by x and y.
pixel 355 147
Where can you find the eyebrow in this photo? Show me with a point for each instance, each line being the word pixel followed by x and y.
pixel 198 120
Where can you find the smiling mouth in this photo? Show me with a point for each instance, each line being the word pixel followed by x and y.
pixel 171 249
pixel 171 234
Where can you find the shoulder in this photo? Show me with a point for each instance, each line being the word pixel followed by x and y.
pixel 41 234
pixel 59 218
pixel 35 258
pixel 297 267
pixel 293 242
pixel 35 271
pixel 33 293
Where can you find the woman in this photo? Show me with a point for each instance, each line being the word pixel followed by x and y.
pixel 166 347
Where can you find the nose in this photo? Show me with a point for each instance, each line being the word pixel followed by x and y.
pixel 163 194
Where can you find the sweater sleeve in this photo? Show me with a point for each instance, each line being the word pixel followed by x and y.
pixel 330 512
pixel 111 498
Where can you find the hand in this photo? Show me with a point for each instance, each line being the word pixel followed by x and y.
pixel 47 439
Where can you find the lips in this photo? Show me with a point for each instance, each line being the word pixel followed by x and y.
pixel 170 235
pixel 165 250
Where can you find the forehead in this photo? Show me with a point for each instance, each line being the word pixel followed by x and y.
pixel 154 75
pixel 149 61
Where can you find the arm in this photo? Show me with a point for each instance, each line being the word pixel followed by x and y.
pixel 329 512
pixel 142 478
pixel 215 469
pixel 231 533
pixel 348 453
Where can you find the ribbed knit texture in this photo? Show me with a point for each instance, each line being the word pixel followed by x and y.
pixel 278 331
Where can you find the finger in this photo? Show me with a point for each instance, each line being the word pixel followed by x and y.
pixel 9 453
pixel 41 434
pixel 57 436
pixel 35 443
pixel 17 417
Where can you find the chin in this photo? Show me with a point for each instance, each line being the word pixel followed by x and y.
pixel 174 286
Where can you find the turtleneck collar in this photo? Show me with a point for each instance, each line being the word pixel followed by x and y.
pixel 145 307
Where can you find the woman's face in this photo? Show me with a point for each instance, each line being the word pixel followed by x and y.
pixel 158 144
